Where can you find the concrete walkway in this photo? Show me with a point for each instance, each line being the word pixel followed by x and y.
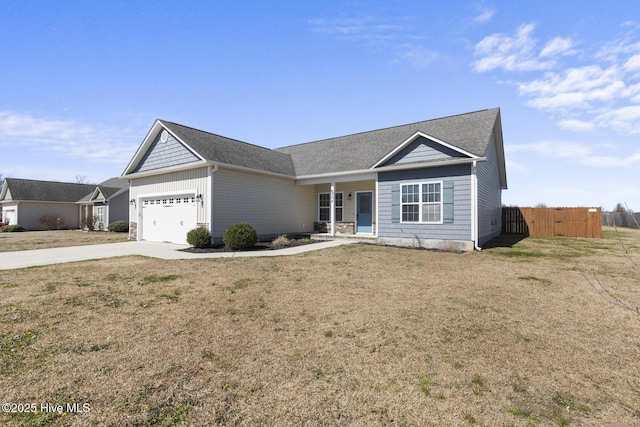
pixel 22 259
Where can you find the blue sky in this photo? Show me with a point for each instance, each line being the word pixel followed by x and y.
pixel 82 82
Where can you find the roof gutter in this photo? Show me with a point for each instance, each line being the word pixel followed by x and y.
pixel 452 162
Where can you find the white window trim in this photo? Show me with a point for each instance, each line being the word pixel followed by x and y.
pixel 329 207
pixel 421 203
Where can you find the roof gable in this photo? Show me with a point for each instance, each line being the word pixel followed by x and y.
pixel 421 148
pixel 212 148
pixel 165 151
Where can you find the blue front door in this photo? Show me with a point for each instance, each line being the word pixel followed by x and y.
pixel 364 217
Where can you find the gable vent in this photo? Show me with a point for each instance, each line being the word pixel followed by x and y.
pixel 164 136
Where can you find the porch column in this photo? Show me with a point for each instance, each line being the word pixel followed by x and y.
pixel 332 208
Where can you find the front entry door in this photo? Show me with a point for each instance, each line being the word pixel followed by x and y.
pixel 364 208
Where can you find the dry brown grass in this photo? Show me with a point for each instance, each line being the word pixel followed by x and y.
pixel 356 335
pixel 56 239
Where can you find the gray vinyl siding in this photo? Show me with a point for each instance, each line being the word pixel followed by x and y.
pixel 422 149
pixel 272 205
pixel 489 196
pixel 459 229
pixel 165 154
pixel 119 208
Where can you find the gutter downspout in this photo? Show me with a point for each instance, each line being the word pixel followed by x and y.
pixel 474 206
pixel 210 202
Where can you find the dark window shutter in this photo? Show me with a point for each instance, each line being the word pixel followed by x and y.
pixel 447 201
pixel 395 203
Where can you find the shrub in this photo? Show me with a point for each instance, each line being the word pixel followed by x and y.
pixel 51 222
pixel 199 237
pixel 12 228
pixel 240 236
pixel 119 226
pixel 281 242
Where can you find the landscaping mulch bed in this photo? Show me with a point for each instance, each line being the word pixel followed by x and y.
pixel 260 246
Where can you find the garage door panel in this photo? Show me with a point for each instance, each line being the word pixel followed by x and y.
pixel 168 219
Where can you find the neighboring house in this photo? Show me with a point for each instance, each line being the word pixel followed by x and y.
pixel 107 203
pixel 27 202
pixel 435 183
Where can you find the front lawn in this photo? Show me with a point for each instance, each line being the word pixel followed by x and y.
pixel 542 333
pixel 21 241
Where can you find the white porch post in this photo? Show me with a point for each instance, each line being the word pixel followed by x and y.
pixel 332 207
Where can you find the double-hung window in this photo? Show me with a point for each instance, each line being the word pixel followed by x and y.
pixel 422 202
pixel 324 206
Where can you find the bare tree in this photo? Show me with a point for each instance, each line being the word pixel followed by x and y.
pixel 81 179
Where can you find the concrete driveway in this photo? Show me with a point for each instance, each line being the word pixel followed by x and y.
pixel 22 259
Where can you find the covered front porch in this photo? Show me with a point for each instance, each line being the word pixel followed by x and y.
pixel 346 207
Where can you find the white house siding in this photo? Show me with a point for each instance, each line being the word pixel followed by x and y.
pixel 29 214
pixel 271 204
pixel 489 196
pixel 191 181
pixel 421 234
pixel 349 208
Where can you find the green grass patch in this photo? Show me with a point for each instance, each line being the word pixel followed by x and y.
pixel 569 404
pixel 425 384
pixel 158 279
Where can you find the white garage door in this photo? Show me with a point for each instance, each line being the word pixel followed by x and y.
pixel 10 216
pixel 168 218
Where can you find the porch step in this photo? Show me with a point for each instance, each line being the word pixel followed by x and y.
pixel 326 236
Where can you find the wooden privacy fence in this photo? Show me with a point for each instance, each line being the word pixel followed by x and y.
pixel 552 222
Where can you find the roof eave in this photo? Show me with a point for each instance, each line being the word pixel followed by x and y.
pixel 408 166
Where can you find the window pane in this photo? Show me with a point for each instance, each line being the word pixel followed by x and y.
pixel 324 214
pixel 324 200
pixel 431 212
pixel 338 199
pixel 431 193
pixel 338 214
pixel 410 213
pixel 410 193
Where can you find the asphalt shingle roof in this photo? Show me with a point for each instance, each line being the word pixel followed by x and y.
pixel 470 132
pixel 47 191
pixel 231 151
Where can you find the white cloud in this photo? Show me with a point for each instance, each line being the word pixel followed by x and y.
pixel 633 64
pixel 396 36
pixel 510 53
pixel 557 46
pixel 485 15
pixel 576 152
pixel 600 89
pixel 576 125
pixel 93 143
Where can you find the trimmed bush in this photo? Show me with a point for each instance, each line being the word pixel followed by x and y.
pixel 199 237
pixel 12 228
pixel 119 226
pixel 240 236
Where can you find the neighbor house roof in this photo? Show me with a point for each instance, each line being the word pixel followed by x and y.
pixel 109 188
pixel 45 191
pixel 229 151
pixel 470 132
